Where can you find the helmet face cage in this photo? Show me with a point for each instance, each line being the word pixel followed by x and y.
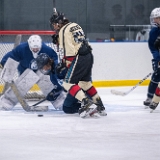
pixel 35 44
pixel 155 14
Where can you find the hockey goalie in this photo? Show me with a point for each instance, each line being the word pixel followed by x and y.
pixel 22 58
pixel 23 84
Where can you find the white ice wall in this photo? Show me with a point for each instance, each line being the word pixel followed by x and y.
pixel 118 61
pixel 121 61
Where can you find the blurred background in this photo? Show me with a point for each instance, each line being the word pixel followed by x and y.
pixel 101 20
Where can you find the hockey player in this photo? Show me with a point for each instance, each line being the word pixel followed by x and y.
pixel 156 98
pixel 154 33
pixel 71 104
pixel 78 59
pixel 25 54
pixel 45 64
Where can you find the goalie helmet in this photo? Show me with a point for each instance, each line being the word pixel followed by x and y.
pixel 35 44
pixel 153 17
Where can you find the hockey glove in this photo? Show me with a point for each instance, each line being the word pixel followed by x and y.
pixel 55 38
pixel 156 65
pixel 52 96
pixel 60 68
pixel 157 43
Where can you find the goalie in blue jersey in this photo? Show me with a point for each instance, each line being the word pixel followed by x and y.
pixel 25 54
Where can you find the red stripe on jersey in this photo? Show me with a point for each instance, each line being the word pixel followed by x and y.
pixel 69 58
pixel 157 91
pixel 92 91
pixel 74 89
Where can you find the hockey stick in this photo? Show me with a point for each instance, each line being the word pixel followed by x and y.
pixel 40 102
pixel 17 40
pixel 23 103
pixel 46 98
pixel 54 4
pixel 115 92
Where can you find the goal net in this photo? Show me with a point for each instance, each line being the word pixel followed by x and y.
pixel 7 43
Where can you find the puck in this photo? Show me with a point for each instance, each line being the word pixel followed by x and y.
pixel 40 115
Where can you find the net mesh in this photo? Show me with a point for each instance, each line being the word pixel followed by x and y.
pixel 7 43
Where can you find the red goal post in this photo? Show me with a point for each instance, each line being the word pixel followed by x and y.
pixel 7 40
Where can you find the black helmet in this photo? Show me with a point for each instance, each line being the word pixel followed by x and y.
pixel 57 17
pixel 42 60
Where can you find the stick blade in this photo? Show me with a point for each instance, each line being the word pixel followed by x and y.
pixel 118 93
pixel 38 109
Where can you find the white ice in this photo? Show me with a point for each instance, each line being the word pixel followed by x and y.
pixel 129 132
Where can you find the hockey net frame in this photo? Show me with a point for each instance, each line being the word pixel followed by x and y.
pixel 7 42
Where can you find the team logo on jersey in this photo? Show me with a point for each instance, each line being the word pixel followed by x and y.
pixel 33 65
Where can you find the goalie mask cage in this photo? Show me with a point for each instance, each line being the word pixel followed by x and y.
pixel 7 43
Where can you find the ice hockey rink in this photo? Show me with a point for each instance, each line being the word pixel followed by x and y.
pixel 129 132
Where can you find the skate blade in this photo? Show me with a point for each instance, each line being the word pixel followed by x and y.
pixel 91 112
pixel 151 111
pixel 38 109
pixel 95 115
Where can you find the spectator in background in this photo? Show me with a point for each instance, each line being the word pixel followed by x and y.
pixel 117 32
pixel 136 17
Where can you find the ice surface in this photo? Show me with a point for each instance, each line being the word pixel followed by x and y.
pixel 129 132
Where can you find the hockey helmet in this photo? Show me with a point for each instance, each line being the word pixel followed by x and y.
pixel 42 60
pixel 35 44
pixel 57 17
pixel 155 14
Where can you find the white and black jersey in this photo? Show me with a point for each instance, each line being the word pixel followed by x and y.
pixel 70 39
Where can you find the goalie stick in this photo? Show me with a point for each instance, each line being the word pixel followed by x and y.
pixel 20 99
pixel 120 93
pixel 24 104
pixel 17 40
pixel 41 101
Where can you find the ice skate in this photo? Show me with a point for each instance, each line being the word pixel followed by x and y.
pixel 153 106
pixel 101 108
pixel 147 102
pixel 88 108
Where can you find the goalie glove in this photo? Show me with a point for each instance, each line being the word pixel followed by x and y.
pixel 52 96
pixel 60 68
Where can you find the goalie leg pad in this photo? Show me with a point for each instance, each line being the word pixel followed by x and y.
pixel 9 69
pixel 58 103
pixel 8 100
